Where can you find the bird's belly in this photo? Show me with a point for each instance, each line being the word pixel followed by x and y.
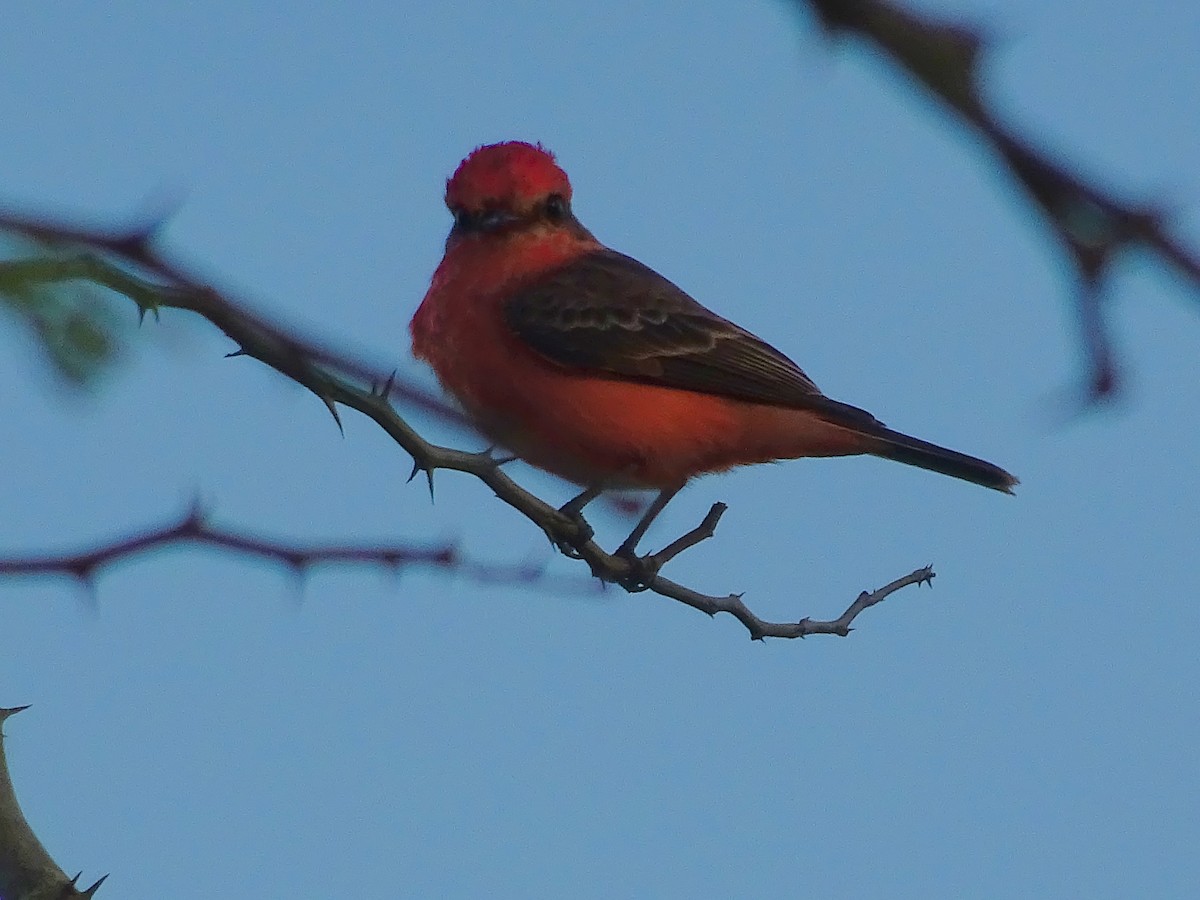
pixel 592 429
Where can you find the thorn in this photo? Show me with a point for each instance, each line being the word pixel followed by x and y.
pixel 1103 382
pixel 87 585
pixel 76 878
pixel 298 569
pixel 193 519
pixel 428 470
pixel 5 713
pixel 91 892
pixel 238 352
pixel 155 218
pixel 384 391
pixel 329 405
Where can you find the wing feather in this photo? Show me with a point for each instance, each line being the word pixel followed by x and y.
pixel 608 313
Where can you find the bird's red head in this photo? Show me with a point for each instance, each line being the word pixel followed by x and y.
pixel 512 177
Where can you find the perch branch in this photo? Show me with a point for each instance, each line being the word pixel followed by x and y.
pixel 339 379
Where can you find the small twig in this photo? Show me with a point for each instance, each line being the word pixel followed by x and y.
pixel 760 628
pixel 702 532
pixel 841 625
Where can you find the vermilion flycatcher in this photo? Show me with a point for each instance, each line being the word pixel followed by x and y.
pixel 586 363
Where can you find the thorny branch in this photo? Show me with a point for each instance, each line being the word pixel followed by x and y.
pixel 943 56
pixel 26 869
pixel 195 528
pixel 108 258
pixel 290 354
pixel 1092 225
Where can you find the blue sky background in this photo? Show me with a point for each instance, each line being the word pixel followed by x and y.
pixel 204 729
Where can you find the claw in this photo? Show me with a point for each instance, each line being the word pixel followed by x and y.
pixel 642 570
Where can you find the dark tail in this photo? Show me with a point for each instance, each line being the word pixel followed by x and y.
pixel 916 452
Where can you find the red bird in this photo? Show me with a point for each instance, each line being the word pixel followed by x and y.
pixel 586 363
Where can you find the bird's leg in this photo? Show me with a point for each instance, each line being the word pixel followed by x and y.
pixel 628 548
pixel 573 508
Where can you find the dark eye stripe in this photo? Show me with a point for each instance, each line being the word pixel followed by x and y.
pixel 554 209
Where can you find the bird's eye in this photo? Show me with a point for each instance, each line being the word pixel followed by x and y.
pixel 556 207
pixel 462 219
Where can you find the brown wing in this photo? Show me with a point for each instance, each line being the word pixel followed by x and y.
pixel 608 313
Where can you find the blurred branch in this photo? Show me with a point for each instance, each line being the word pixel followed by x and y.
pixel 194 528
pixel 1093 225
pixel 107 258
pixel 27 871
pixel 272 343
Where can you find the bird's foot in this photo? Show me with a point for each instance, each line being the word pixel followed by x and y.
pixel 641 570
pixel 572 530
